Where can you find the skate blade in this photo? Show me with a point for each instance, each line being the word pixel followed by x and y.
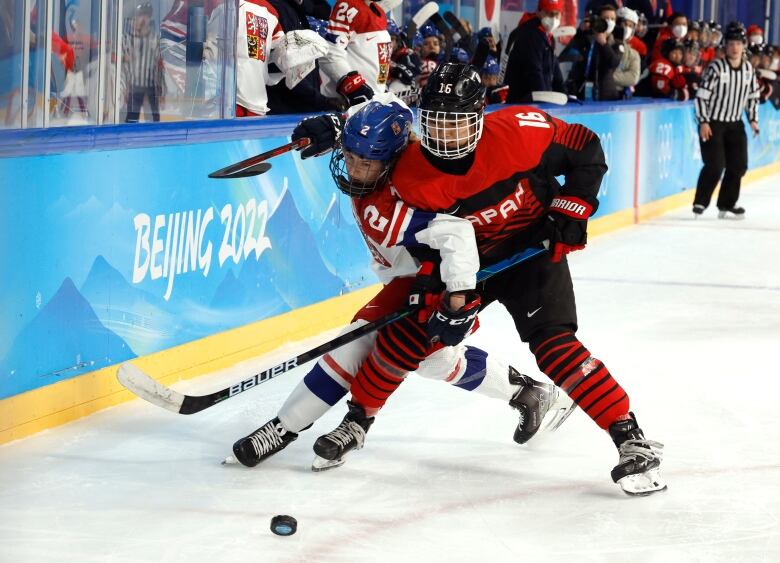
pixel 230 460
pixel 322 464
pixel 558 414
pixel 643 484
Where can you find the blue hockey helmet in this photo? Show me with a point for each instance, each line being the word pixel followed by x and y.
pixel 376 132
pixel 491 66
pixel 418 39
pixel 459 55
pixel 484 33
pixel 429 30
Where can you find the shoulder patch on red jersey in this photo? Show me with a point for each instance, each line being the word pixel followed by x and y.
pixel 571 135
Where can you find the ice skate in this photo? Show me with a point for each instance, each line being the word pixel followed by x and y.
pixel 637 471
pixel 698 209
pixel 732 213
pixel 272 437
pixel 539 405
pixel 347 436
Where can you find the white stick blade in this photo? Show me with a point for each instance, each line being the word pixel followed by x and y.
pixel 549 97
pixel 388 5
pixel 148 389
pixel 424 13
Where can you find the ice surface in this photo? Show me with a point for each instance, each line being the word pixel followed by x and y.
pixel 686 314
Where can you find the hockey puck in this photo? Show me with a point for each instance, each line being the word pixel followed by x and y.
pixel 283 525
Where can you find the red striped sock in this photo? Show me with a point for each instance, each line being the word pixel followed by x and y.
pixel 584 378
pixel 399 349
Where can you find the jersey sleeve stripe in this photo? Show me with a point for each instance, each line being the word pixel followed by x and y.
pixel 391 230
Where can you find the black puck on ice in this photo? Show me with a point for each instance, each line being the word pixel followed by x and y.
pixel 283 525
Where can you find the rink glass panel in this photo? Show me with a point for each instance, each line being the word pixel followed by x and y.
pixel 74 61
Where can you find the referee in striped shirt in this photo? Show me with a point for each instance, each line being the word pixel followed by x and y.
pixel 728 88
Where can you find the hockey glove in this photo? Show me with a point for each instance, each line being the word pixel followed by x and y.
pixel 402 73
pixel 451 327
pixel 569 216
pixel 426 291
pixel 324 132
pixel 354 88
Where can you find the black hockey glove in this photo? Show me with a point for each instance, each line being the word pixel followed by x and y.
pixel 354 88
pixel 324 131
pixel 410 60
pixel 426 291
pixel 569 222
pixel 402 73
pixel 451 327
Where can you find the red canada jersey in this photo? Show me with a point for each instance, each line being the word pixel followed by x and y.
pixel 507 188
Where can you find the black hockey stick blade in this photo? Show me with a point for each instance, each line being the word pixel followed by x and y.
pixel 255 170
pixel 239 169
pixel 445 30
pixel 456 24
pixel 146 387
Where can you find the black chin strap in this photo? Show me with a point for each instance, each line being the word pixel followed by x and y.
pixel 456 166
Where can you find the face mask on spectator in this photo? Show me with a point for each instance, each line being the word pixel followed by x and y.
pixel 610 26
pixel 627 33
pixel 550 24
pixel 756 39
pixel 680 31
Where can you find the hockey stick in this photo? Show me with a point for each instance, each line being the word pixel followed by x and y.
pixel 417 21
pixel 456 24
pixel 250 166
pixel 445 30
pixel 147 388
pixel 389 5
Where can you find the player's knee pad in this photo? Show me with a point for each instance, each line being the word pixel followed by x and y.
pixel 565 360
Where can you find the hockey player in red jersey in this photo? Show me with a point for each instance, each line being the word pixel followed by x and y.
pixel 503 182
pixel 666 76
pixel 358 63
pixel 400 239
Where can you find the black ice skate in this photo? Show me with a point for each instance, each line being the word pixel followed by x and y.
pixel 272 437
pixel 540 405
pixel 698 209
pixel 732 213
pixel 637 472
pixel 347 436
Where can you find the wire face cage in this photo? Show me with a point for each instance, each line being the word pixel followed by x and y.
pixel 450 135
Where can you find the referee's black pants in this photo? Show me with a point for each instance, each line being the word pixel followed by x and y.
pixel 726 149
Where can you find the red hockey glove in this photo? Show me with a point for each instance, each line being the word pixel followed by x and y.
pixel 451 327
pixel 426 291
pixel 354 88
pixel 324 132
pixel 569 216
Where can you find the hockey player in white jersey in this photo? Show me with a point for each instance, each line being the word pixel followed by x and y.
pixel 358 62
pixel 400 238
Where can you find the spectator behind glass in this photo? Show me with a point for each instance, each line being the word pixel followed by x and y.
pixel 666 78
pixel 142 65
pixel 626 75
pixel 710 41
pixel 301 95
pixel 430 50
pixel 598 59
pixel 676 28
pixel 494 94
pixel 755 35
pixel 691 67
pixel 532 64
